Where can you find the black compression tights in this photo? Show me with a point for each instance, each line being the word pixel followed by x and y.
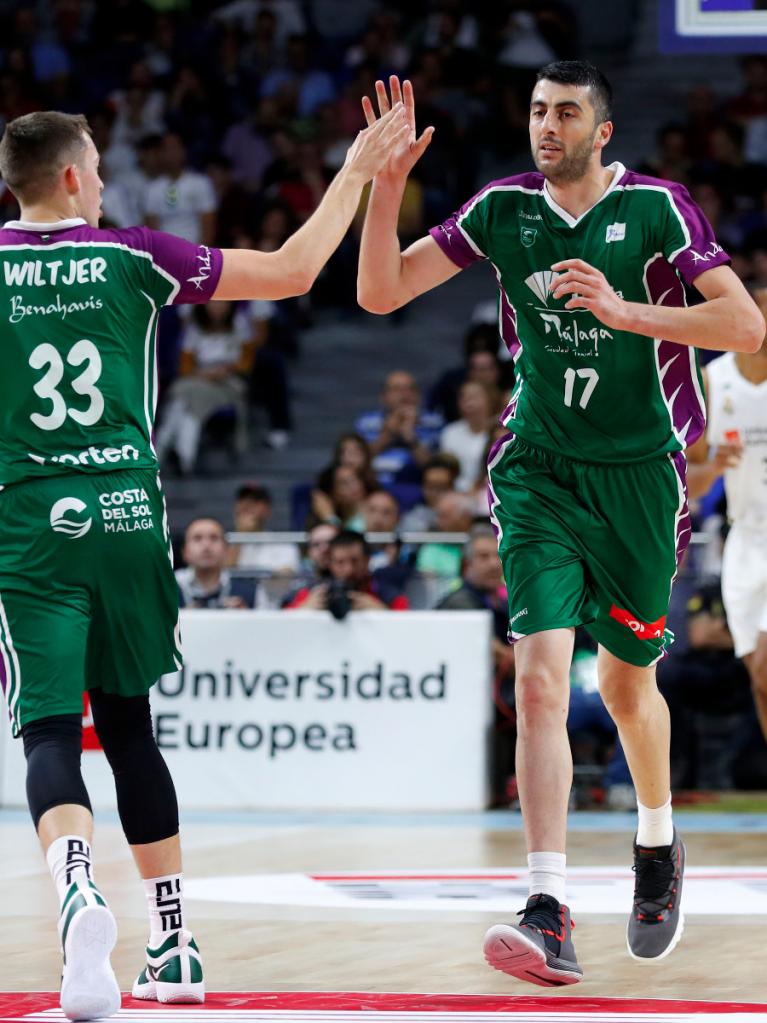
pixel 146 797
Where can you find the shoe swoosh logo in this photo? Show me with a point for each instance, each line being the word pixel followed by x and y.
pixel 155 972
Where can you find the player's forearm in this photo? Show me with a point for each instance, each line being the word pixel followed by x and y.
pixel 307 251
pixel 721 324
pixel 700 478
pixel 380 266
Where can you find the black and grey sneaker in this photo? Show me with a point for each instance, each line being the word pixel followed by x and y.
pixel 656 922
pixel 539 948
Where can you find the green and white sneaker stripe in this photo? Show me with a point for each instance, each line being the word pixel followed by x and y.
pixel 173 972
pixel 88 932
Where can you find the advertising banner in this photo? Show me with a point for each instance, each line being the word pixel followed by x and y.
pixel 295 710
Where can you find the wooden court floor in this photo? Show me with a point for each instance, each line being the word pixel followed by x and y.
pixel 370 947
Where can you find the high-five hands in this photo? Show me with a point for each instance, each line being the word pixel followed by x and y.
pixel 374 146
pixel 408 148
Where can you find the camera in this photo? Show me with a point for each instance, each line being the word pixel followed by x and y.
pixel 339 603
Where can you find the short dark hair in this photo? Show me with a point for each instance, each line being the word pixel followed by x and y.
pixel 479 531
pixel 36 147
pixel 205 518
pixel 444 460
pixel 581 72
pixel 254 491
pixel 378 489
pixel 350 538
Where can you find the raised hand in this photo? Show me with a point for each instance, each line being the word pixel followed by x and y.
pixel 409 148
pixel 374 145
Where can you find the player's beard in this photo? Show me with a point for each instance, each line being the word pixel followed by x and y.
pixel 573 165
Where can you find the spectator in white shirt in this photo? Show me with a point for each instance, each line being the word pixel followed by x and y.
pixel 217 356
pixel 181 201
pixel 467 437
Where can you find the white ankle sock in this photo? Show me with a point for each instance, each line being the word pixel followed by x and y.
pixel 656 826
pixel 69 859
pixel 547 874
pixel 164 896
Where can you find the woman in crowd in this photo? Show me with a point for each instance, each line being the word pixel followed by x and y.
pixel 340 499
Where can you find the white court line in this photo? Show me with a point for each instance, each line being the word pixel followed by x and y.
pixel 591 890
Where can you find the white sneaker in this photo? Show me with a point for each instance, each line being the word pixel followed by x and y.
pixel 88 932
pixel 173 972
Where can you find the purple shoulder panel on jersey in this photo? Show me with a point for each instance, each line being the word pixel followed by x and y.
pixel 677 366
pixel 448 234
pixel 197 268
pixel 703 252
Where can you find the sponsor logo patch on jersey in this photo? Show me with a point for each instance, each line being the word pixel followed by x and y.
pixel 90 456
pixel 203 267
pixel 642 630
pixel 615 232
pixel 67 517
pixel 704 257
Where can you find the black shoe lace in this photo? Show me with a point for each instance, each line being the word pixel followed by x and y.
pixel 653 889
pixel 543 914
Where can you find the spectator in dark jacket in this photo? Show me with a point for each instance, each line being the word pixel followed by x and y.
pixel 205 582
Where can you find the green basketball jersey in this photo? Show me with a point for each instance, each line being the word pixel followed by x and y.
pixel 79 309
pixel 582 389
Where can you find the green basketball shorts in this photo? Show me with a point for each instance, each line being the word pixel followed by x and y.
pixel 88 598
pixel 590 544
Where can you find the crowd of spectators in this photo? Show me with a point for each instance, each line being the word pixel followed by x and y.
pixel 223 121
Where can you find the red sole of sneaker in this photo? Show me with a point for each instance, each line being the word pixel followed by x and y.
pixel 508 950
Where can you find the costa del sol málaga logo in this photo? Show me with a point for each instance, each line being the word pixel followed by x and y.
pixel 66 517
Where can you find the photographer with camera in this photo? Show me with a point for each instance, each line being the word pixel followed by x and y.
pixel 351 586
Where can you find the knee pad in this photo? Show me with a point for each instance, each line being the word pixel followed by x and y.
pixel 146 796
pixel 52 747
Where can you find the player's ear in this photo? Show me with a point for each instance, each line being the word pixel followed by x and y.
pixel 604 134
pixel 71 176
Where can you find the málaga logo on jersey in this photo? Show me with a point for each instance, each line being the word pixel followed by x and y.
pixel 66 517
pixel 561 328
pixel 539 283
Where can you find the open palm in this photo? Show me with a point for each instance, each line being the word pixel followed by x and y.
pixel 408 151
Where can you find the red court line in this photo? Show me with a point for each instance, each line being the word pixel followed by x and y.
pixel 20 1003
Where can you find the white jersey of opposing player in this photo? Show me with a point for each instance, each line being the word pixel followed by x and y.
pixel 737 411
